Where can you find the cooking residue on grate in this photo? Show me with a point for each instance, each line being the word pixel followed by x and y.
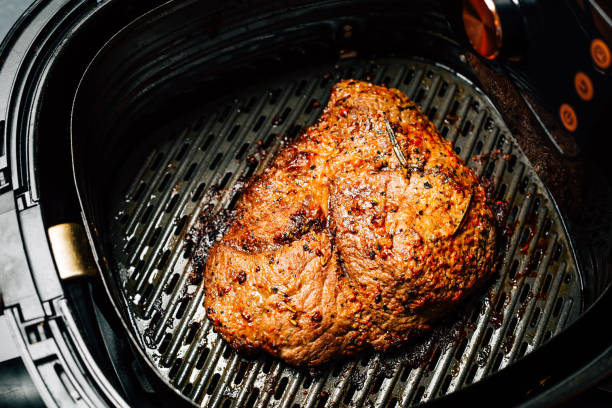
pixel 189 184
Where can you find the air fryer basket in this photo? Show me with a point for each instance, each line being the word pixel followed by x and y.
pixel 182 106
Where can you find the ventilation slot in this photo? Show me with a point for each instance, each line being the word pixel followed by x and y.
pixel 165 343
pixel 193 329
pixel 453 111
pixel 147 214
pixel 213 384
pixel 467 126
pixel 524 184
pixel 349 393
pixel 202 358
pixel 558 307
pixel 240 373
pixel 378 384
pixel 323 397
pixel 233 133
pixel 225 179
pixel 525 294
pixel 181 153
pixel 267 366
pixel 207 142
pixel 242 151
pixel 445 385
pixel 181 308
pixel 162 185
pixel 155 236
pixel 198 193
pixel 190 171
pixel 172 203
pixel 420 96
pixel 418 395
pixel 172 284
pixel 497 362
pixel 535 317
pixel 175 368
pixel 558 252
pixel 252 398
pixel 281 388
pixel 180 225
pixel 307 381
pixel 478 148
pixel 408 77
pixel 443 89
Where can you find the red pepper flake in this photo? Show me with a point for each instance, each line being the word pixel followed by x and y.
pixel 316 317
pixel 247 316
pixel 343 112
pixel 225 290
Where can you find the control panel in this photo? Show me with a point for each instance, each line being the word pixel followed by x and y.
pixel 556 51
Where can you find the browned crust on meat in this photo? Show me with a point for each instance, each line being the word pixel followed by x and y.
pixel 336 247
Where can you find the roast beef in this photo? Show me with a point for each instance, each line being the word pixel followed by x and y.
pixel 361 234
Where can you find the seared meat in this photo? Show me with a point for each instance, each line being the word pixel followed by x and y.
pixel 344 243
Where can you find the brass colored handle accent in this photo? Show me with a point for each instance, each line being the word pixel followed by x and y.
pixel 71 251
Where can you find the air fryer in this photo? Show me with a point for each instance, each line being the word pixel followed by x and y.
pixel 125 123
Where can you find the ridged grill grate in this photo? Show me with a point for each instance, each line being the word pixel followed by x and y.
pixel 537 294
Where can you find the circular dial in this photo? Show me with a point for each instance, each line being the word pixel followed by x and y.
pixel 483 27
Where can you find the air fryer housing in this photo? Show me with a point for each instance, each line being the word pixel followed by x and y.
pixel 149 64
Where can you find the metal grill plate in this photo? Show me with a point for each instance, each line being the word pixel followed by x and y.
pixel 537 293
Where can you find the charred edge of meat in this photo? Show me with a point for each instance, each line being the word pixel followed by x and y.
pixel 500 207
pixel 301 224
pixel 208 229
pixel 419 350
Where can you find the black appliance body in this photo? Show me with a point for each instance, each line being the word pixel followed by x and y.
pixel 124 122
